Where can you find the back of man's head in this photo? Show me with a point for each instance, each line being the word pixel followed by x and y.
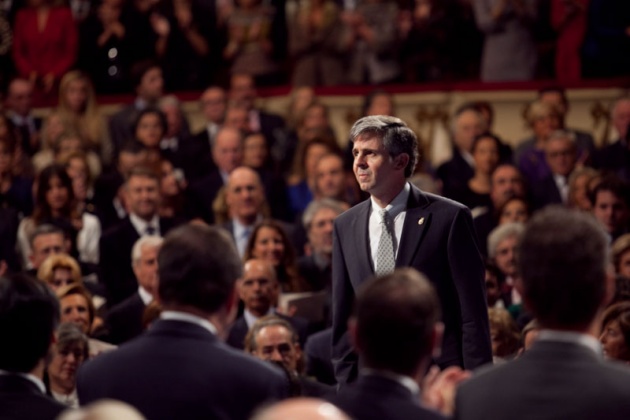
pixel 198 266
pixel 29 314
pixel 562 262
pixel 395 321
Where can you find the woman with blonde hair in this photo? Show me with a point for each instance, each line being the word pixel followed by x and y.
pixel 77 105
pixel 59 270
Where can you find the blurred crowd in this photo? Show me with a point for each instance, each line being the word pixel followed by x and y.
pixel 313 43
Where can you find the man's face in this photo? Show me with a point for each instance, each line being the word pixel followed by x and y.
pixel 244 194
pixel 242 90
pixel 146 269
pixel 228 150
pixel 46 245
pixel 611 211
pixel 320 231
pixel 467 126
pixel 213 104
pixel 375 170
pixel 506 182
pixel 20 97
pixel 237 119
pixel 143 196
pixel 505 256
pixel 329 177
pixel 561 156
pixel 151 85
pixel 621 117
pixel 258 289
pixel 274 343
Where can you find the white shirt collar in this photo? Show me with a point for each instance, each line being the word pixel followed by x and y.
pixel 398 204
pixel 468 158
pixel 405 381
pixel 190 318
pixel 141 225
pixel 145 295
pixel 581 339
pixel 38 382
pixel 250 318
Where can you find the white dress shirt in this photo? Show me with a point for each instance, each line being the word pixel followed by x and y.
pixel 141 225
pixel 397 210
pixel 250 318
pixel 190 318
pixel 563 187
pixel 145 295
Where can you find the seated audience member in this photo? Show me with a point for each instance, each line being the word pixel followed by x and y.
pixel 562 265
pixel 259 291
pixel 177 144
pixel 394 360
pixel 621 255
pixel 78 169
pixel 487 112
pixel 502 244
pixel 173 187
pixel 59 270
pixel 269 241
pixel 615 157
pixel 227 154
pixel 77 308
pixel 69 353
pixel 610 201
pixel 55 205
pixel 45 240
pixel 529 334
pixel 15 191
pixel 315 266
pixel 149 129
pixel 504 335
pixel 29 315
pixel 615 335
pixel 255 152
pixel 543 118
pixel 52 129
pixel 332 181
pixel 124 321
pixel 455 174
pixel 579 181
pixel 142 198
pixel 476 192
pixel 318 354
pixel 274 339
pixel 198 266
pixel 66 144
pixel 514 210
pixel 301 408
pixel 19 109
pixel 561 157
pixel 495 286
pixel 506 182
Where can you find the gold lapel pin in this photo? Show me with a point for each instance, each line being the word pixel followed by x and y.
pixel 421 220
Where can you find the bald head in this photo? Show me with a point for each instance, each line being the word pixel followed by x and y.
pixel 258 289
pixel 228 149
pixel 301 409
pixel 259 267
pixel 244 195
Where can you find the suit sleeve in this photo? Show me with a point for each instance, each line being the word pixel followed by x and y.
pixel 344 359
pixel 468 275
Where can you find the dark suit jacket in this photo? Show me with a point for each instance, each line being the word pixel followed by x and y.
pixel 202 193
pixel 553 380
pixel 120 126
pixel 124 321
pixel 115 270
pixel 319 357
pixel 439 240
pixel 375 397
pixel 455 174
pixel 545 193
pixel 198 155
pixel 614 158
pixel 179 370
pixel 271 126
pixel 20 399
pixel 236 336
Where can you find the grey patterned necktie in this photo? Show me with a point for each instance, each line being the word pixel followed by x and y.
pixel 385 261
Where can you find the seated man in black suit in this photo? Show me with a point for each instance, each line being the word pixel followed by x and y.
pixel 180 369
pixel 29 315
pixel 142 196
pixel 561 157
pixel 562 262
pixel 395 330
pixel 124 321
pixel 273 339
pixel 259 290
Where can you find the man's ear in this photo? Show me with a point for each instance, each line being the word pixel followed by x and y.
pixel 352 334
pixel 401 161
pixel 237 290
pixel 436 339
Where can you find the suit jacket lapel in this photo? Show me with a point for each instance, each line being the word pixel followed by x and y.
pixel 417 221
pixel 360 228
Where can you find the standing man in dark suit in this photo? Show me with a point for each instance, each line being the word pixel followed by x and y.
pixel 395 330
pixel 402 226
pixel 180 368
pixel 142 194
pixel 563 259
pixel 124 321
pixel 29 315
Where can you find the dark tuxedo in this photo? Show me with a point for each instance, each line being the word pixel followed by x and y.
pixel 199 156
pixel 124 321
pixel 271 126
pixel 9 223
pixel 614 158
pixel 202 193
pixel 179 370
pixel 545 193
pixel 319 357
pixel 21 399
pixel 115 246
pixel 439 240
pixel 376 397
pixel 553 380
pixel 238 331
pixel 105 190
pixel 455 174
